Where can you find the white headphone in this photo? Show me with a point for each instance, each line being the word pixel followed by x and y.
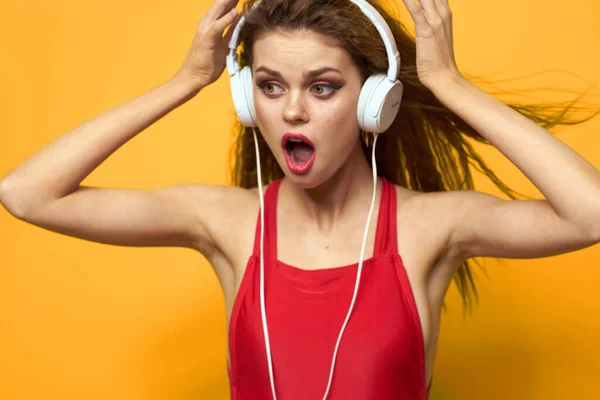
pixel 380 96
pixel 378 105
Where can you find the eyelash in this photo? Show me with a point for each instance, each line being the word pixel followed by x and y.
pixel 334 88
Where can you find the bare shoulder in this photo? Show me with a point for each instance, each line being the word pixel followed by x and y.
pixel 441 206
pixel 224 212
pixel 426 221
pixel 231 224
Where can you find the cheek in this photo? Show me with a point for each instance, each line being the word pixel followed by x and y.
pixel 342 122
pixel 267 119
pixel 259 106
pixel 343 109
pixel 340 117
pixel 267 115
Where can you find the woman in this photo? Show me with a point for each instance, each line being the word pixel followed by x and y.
pixel 426 227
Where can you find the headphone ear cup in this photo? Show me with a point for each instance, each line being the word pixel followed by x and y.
pixel 378 103
pixel 243 99
pixel 246 78
pixel 365 94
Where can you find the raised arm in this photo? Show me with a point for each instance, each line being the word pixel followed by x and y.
pixel 479 224
pixel 57 169
pixel 46 190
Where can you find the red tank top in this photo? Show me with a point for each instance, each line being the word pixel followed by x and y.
pixel 381 353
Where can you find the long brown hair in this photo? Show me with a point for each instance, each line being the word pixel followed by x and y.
pixel 425 149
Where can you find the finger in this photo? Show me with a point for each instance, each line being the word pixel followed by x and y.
pixel 232 26
pixel 416 12
pixel 442 8
pixel 219 9
pixel 219 25
pixel 431 12
pixel 445 15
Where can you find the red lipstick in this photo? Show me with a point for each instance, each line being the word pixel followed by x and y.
pixel 299 152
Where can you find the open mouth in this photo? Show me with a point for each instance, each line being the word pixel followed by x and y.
pixel 298 150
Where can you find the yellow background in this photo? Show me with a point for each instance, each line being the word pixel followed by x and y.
pixel 82 320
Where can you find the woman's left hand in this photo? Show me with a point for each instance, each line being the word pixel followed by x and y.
pixel 435 53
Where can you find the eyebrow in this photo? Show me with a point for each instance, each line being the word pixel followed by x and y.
pixel 309 74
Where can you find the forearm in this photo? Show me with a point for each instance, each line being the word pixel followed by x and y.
pixel 570 184
pixel 59 167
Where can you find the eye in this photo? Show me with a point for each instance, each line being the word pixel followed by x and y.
pixel 322 87
pixel 268 87
pixel 319 89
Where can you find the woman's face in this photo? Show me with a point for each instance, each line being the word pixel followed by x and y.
pixel 322 107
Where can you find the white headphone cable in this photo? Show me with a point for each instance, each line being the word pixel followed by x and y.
pixel 358 274
pixel 263 313
pixel 262 282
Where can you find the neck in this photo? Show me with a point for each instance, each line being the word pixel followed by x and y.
pixel 347 192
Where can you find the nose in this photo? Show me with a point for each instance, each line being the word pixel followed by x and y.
pixel 295 110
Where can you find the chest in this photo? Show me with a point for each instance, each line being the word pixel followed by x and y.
pixel 304 321
pixel 419 245
pixel 299 247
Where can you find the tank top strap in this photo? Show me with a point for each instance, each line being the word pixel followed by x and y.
pixel 386 234
pixel 270 203
pixel 386 238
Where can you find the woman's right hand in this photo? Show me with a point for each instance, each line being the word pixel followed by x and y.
pixel 205 60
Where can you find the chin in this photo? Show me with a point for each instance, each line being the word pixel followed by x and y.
pixel 310 180
pixel 317 175
pixel 304 181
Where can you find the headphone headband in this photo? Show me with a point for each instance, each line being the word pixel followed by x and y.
pixel 393 56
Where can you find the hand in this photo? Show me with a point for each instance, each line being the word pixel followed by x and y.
pixel 205 60
pixel 435 53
